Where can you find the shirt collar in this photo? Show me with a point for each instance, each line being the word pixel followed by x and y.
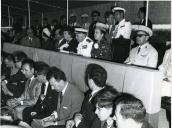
pixel 64 89
pixel 122 22
pixel 32 78
pixel 144 45
pixel 94 92
pixel 46 83
pixel 84 39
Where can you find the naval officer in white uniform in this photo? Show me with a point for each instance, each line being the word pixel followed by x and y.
pixel 123 28
pixel 85 43
pixel 144 54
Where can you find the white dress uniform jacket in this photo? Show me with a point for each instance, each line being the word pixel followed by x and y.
pixel 84 47
pixel 146 56
pixel 122 29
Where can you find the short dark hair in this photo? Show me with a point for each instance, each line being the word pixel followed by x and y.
pixel 30 62
pixel 97 73
pixel 95 11
pixel 20 55
pixel 41 68
pixel 56 73
pixel 9 57
pixel 105 97
pixel 143 10
pixel 70 30
pixel 131 107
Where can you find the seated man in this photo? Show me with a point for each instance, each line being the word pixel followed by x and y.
pixel 31 92
pixel 129 112
pixel 69 100
pixel 144 54
pixel 85 43
pixel 47 101
pixel 95 77
pixel 31 40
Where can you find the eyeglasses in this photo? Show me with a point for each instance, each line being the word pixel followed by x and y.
pixel 140 35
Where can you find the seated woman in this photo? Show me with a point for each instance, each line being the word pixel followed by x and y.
pixel 70 44
pixel 101 48
pixel 13 85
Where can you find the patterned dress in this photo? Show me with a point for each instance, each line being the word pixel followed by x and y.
pixel 101 50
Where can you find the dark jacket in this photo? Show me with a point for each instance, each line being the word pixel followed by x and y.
pixel 90 119
pixel 101 50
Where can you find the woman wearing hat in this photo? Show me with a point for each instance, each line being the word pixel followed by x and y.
pixel 47 42
pixel 101 48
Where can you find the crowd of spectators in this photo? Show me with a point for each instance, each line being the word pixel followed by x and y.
pixel 48 99
pixel 114 39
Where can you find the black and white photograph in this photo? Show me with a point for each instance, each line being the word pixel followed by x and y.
pixel 85 64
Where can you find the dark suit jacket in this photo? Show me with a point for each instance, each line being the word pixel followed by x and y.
pixel 149 23
pixel 48 104
pixel 16 83
pixel 71 103
pixel 90 119
pixel 34 43
pixel 44 107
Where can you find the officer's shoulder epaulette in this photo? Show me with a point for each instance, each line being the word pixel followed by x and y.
pixel 89 40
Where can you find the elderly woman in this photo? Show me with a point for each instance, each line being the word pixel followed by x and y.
pixel 70 44
pixel 101 48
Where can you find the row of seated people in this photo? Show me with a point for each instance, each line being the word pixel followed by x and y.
pixel 76 41
pixel 100 42
pixel 49 100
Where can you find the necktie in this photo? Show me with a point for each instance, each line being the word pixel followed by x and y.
pixel 59 104
pixel 138 50
pixel 27 88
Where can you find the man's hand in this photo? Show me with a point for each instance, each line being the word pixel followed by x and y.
pixel 109 122
pixel 70 124
pixel 77 119
pixel 5 89
pixel 13 102
pixel 50 118
pixel 46 124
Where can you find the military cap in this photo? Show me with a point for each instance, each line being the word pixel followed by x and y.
pixel 118 9
pixel 84 15
pixel 81 30
pixel 142 28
